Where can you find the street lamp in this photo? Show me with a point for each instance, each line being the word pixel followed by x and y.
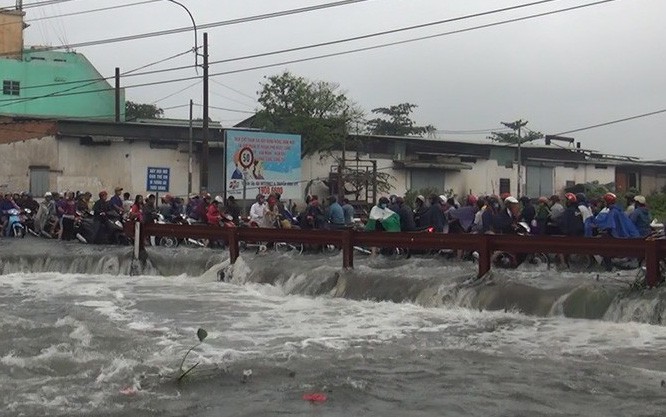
pixel 203 180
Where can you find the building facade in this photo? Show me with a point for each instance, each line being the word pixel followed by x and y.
pixel 41 83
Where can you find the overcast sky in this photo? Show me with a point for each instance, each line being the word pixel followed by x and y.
pixel 560 72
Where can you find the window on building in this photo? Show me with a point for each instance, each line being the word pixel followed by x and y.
pixel 11 88
pixel 632 179
pixel 505 185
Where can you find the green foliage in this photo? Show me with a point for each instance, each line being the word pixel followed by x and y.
pixel 657 205
pixel 135 111
pixel 201 335
pixel 513 137
pixel 316 110
pixel 396 121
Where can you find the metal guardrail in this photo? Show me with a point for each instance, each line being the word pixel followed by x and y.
pixel 651 251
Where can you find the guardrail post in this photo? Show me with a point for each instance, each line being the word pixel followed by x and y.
pixel 347 245
pixel 652 272
pixel 232 241
pixel 485 254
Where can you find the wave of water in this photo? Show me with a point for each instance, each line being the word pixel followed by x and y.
pixel 429 282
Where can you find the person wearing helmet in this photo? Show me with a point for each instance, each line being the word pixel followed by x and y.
pixel 214 212
pixel 611 221
pixel 641 216
pixel 420 209
pixel 506 221
pixel 571 221
pixel 257 210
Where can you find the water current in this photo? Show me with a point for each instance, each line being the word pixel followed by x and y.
pixel 417 337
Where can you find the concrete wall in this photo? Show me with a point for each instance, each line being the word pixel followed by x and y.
pixel 92 168
pixel 11 34
pixel 124 164
pixel 17 157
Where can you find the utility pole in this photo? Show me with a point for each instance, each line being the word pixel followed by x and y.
pixel 516 127
pixel 189 154
pixel 204 147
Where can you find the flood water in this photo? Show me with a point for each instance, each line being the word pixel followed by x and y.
pixel 414 337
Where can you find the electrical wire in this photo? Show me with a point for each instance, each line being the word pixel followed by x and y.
pixel 226 109
pixel 334 54
pixel 259 55
pixel 612 122
pixel 204 26
pixel 178 92
pixel 38 4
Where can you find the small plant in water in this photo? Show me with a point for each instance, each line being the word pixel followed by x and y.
pixel 201 335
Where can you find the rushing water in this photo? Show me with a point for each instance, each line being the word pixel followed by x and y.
pixel 414 337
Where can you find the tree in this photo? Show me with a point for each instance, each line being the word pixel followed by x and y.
pixel 512 137
pixel 396 121
pixel 135 111
pixel 316 110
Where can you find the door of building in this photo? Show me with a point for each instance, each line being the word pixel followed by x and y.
pixel 39 181
pixel 539 181
pixel 427 178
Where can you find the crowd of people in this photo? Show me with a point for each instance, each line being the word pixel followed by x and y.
pixel 574 215
pixel 58 215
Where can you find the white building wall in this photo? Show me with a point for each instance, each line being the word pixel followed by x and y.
pixel 124 164
pixel 17 157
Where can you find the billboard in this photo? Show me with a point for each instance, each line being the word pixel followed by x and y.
pixel 266 162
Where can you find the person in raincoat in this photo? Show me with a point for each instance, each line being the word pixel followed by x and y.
pixel 381 218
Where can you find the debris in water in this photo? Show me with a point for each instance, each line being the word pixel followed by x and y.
pixel 663 383
pixel 316 397
pixel 247 376
pixel 292 374
pixel 131 391
pixel 597 277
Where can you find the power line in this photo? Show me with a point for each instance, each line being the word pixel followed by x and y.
pixel 234 90
pixel 101 9
pixel 334 54
pixel 625 119
pixel 39 4
pixel 204 26
pixel 226 109
pixel 178 92
pixel 366 36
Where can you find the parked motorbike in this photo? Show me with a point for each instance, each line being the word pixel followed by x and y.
pixel 15 226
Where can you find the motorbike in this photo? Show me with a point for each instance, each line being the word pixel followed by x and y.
pixel 509 260
pixel 16 226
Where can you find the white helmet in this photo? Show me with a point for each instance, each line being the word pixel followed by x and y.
pixel 219 199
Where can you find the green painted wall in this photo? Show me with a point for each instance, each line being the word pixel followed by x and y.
pixel 54 70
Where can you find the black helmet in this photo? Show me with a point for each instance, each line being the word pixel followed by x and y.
pixel 383 200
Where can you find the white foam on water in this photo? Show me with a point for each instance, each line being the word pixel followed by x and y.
pixel 80 332
pixel 118 368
